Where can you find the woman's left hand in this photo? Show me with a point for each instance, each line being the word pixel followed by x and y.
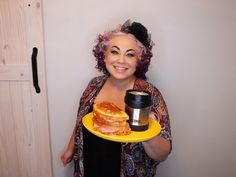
pixel 157 148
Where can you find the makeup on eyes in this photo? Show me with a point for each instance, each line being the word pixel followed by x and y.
pixel 117 50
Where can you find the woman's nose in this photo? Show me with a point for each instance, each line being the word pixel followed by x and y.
pixel 121 59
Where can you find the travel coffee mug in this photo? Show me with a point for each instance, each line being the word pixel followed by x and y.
pixel 137 106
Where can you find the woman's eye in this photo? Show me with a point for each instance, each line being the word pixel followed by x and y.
pixel 130 55
pixel 114 52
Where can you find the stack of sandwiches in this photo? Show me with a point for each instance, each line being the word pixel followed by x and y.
pixel 109 119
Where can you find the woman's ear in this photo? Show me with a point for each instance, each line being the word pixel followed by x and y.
pixel 105 56
pixel 138 63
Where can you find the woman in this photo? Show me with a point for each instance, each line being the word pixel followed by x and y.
pixel 123 55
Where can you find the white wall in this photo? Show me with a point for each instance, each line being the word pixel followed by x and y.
pixel 194 66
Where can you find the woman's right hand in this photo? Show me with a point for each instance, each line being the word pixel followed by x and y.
pixel 67 156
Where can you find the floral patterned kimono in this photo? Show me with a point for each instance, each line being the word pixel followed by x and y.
pixel 134 160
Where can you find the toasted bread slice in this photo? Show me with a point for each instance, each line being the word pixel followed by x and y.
pixel 111 130
pixel 109 119
pixel 109 111
pixel 102 121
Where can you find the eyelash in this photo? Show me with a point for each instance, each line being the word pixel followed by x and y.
pixel 130 55
pixel 114 52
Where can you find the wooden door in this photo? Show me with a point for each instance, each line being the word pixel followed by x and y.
pixel 24 127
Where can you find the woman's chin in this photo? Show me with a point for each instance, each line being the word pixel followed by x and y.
pixel 122 76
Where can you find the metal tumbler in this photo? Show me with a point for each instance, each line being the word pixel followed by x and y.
pixel 137 106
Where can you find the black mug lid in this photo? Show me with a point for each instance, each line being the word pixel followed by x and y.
pixel 138 98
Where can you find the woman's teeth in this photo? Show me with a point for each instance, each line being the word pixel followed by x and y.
pixel 120 69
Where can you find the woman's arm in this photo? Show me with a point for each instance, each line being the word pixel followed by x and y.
pixel 157 148
pixel 67 156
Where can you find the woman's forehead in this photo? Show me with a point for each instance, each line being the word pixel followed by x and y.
pixel 123 40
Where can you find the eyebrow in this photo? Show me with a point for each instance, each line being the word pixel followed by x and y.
pixel 114 46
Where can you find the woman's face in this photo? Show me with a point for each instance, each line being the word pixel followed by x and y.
pixel 121 56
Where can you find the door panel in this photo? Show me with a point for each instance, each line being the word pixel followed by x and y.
pixel 24 127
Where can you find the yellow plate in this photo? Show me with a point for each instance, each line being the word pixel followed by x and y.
pixel 134 136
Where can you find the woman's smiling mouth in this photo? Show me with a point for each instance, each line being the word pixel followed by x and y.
pixel 120 68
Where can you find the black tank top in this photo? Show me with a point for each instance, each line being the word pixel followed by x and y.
pixel 101 157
